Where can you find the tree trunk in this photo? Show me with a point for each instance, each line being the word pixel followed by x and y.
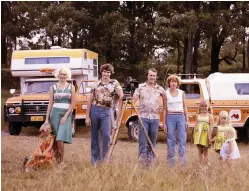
pixel 215 55
pixel 4 50
pixel 74 39
pixel 52 39
pixel 185 51
pixel 248 55
pixel 178 56
pixel 196 46
pixel 189 56
pixel 59 40
pixel 244 50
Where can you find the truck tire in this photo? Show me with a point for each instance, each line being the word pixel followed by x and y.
pixel 133 131
pixel 15 128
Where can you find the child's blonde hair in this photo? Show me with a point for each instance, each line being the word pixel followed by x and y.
pixel 230 133
pixel 204 103
pixel 225 115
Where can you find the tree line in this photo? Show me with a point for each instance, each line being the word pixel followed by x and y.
pixel 179 37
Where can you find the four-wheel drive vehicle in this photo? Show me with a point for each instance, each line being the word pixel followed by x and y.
pixel 30 107
pixel 224 91
pixel 36 69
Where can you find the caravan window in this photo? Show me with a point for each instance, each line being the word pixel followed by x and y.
pixel 48 60
pixel 95 68
pixel 242 88
pixel 192 91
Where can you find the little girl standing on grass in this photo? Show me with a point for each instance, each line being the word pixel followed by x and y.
pixel 223 124
pixel 229 149
pixel 203 131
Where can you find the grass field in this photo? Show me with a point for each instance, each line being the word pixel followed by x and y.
pixel 123 173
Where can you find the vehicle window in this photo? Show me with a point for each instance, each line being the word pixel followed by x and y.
pixel 85 87
pixel 95 68
pixel 48 60
pixel 37 87
pixel 192 91
pixel 242 88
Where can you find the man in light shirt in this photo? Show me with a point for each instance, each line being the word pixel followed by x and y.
pixel 150 96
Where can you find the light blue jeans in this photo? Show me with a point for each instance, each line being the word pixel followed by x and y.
pixel 176 122
pixel 145 154
pixel 100 120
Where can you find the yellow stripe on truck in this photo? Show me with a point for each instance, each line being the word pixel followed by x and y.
pixel 73 53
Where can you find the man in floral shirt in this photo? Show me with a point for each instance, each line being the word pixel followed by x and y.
pixel 150 96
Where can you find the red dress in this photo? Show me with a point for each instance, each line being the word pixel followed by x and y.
pixel 46 159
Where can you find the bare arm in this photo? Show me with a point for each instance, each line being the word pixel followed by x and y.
pixel 120 96
pixel 230 150
pixel 211 123
pixel 164 111
pixel 50 146
pixel 88 108
pixel 196 122
pixel 185 109
pixel 50 104
pixel 135 96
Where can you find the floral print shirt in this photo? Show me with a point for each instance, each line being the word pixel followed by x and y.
pixel 103 93
pixel 150 100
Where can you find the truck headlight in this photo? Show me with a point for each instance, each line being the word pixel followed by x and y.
pixel 11 110
pixel 18 110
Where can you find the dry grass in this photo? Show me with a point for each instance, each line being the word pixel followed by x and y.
pixel 122 173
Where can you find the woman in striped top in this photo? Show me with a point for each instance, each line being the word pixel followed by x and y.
pixel 59 112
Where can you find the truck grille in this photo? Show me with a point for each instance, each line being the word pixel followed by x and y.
pixel 34 107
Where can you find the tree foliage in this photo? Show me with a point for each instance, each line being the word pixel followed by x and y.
pixel 174 36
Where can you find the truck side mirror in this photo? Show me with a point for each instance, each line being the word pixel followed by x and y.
pixel 12 91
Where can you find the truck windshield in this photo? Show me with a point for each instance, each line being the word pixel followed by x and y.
pixel 85 87
pixel 37 87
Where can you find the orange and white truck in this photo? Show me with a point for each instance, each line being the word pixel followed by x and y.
pixel 224 91
pixel 36 70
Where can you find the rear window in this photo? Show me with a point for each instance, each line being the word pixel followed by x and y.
pixel 242 88
pixel 48 60
pixel 192 91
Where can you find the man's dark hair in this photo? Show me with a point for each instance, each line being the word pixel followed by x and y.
pixel 107 67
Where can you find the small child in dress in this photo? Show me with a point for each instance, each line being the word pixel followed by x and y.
pixel 229 149
pixel 223 124
pixel 43 156
pixel 203 131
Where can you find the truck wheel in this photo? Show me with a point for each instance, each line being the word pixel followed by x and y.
pixel 15 128
pixel 73 123
pixel 133 131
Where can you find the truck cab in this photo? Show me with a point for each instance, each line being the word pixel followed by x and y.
pixel 36 69
pixel 229 92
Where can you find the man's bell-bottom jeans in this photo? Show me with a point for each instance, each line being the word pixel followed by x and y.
pixel 176 122
pixel 100 120
pixel 145 153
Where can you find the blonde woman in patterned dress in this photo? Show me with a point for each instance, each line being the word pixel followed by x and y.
pixel 203 131
pixel 59 112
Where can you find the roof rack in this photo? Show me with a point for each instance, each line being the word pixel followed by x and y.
pixel 189 75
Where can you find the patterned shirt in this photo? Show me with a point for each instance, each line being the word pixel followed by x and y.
pixel 103 93
pixel 150 99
